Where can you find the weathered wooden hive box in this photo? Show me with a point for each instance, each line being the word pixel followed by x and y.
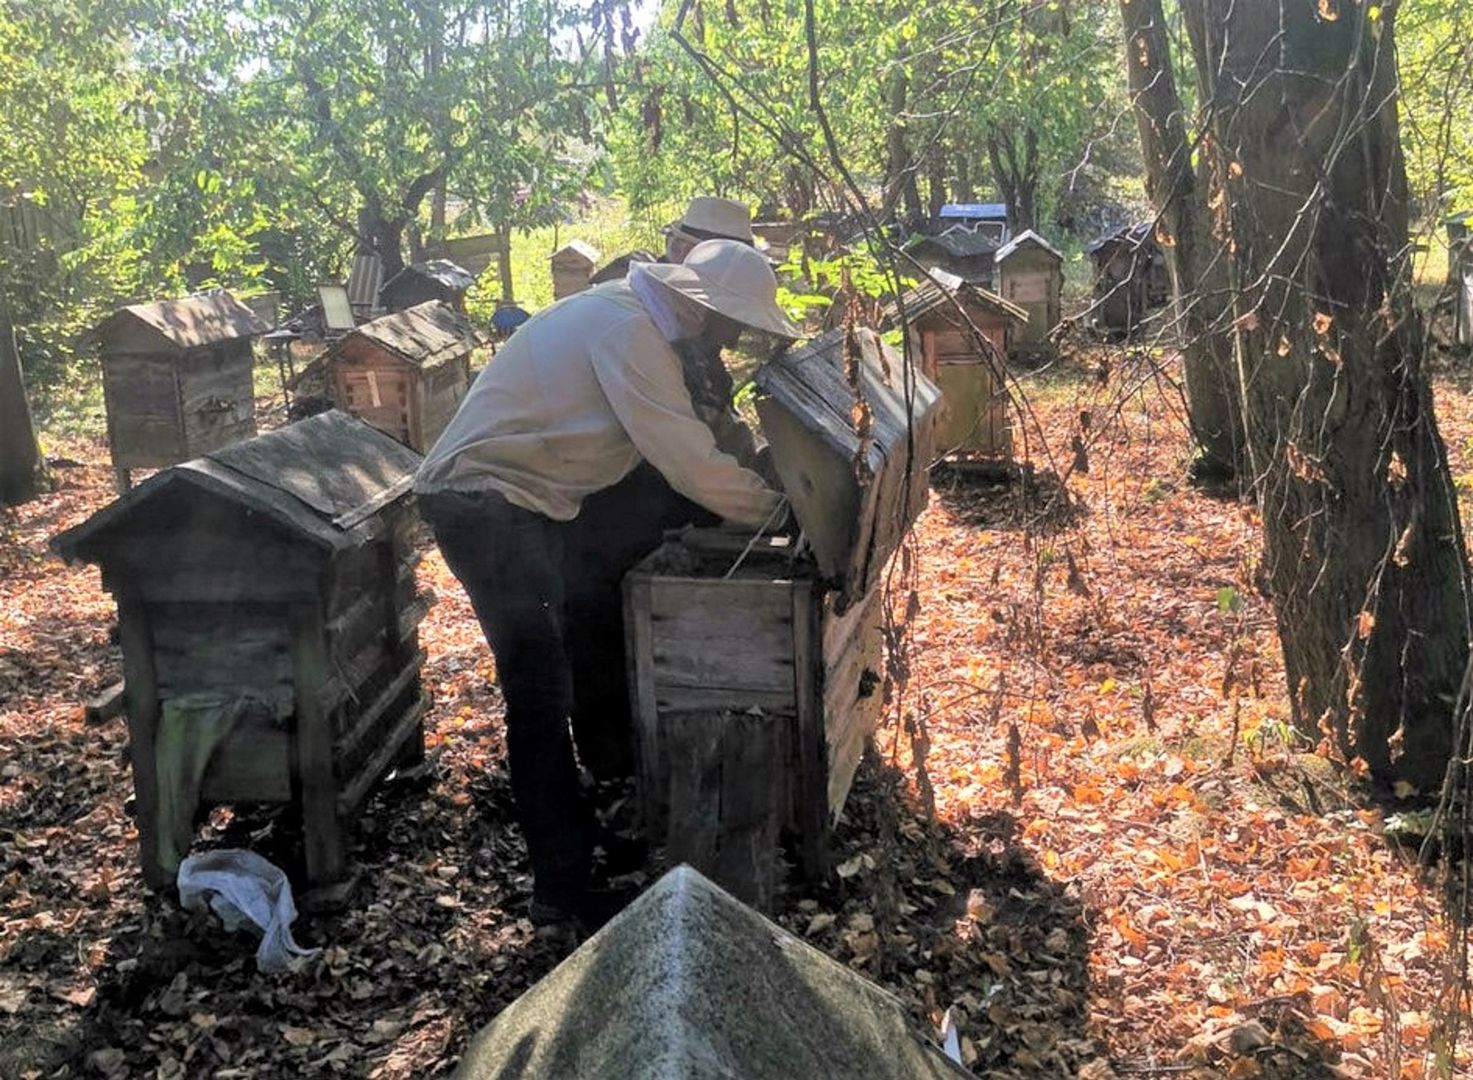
pixel 757 672
pixel 1030 273
pixel 404 373
pixel 1130 278
pixel 973 418
pixel 176 379
pixel 268 611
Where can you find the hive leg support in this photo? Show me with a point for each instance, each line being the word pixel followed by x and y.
pixel 143 713
pixel 314 786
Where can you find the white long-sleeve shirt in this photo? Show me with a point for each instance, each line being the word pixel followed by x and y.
pixel 571 404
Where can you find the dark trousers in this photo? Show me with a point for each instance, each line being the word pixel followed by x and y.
pixel 548 597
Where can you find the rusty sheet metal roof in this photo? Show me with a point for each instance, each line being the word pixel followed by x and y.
pixel 321 478
pixel 940 290
pixel 424 335
pixel 192 321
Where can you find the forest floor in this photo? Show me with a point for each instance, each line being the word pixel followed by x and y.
pixel 1134 867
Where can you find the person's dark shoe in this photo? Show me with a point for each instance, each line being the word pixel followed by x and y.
pixel 557 923
pixel 619 854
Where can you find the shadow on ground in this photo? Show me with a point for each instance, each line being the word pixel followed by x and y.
pixel 1005 496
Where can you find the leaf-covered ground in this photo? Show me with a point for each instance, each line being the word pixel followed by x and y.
pixel 1134 867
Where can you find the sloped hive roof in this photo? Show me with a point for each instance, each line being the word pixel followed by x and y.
pixel 424 335
pixel 689 982
pixel 191 321
pixel 963 243
pixel 449 274
pixel 1130 235
pixel 575 252
pixel 940 289
pixel 321 478
pixel 1027 238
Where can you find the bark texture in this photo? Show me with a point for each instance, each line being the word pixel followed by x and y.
pixel 22 472
pixel 1363 546
pixel 1198 273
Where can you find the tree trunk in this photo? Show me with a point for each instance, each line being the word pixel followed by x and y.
pixel 1016 172
pixel 1363 546
pixel 900 177
pixel 964 192
pixel 22 472
pixel 503 262
pixel 1198 280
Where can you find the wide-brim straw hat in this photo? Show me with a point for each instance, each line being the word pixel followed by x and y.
pixel 731 279
pixel 709 217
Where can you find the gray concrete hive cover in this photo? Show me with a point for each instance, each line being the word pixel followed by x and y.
pixel 688 983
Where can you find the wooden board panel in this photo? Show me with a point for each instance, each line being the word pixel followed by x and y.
pixel 973 416
pixel 252 764
pixel 142 400
pixel 854 662
pixel 231 649
pixel 380 396
pixel 734 635
pixel 217 398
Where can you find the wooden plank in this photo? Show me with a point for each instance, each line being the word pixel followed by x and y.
pixel 692 753
pixel 143 715
pixel 714 634
pixel 368 721
pixel 706 699
pixel 853 699
pixel 644 708
pixel 252 764
pixel 386 751
pixel 313 782
pixel 756 763
pixel 810 816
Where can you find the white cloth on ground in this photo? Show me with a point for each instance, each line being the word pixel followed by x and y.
pixel 242 887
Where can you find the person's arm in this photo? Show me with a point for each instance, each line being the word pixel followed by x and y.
pixel 642 379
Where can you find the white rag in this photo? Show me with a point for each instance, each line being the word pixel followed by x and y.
pixel 244 888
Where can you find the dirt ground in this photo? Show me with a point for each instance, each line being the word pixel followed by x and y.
pixel 1134 867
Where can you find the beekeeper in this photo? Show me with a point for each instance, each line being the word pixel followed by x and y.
pixel 574 449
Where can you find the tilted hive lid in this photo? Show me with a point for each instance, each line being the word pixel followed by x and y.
pixel 851 436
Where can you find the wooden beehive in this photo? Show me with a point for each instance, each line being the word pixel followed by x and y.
pixel 1130 278
pixel 1030 273
pixel 404 373
pixel 434 279
pixel 572 267
pixel 757 674
pixel 268 612
pixel 973 418
pixel 176 379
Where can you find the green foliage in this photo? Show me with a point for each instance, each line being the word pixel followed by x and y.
pixel 961 72
pixel 1435 49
